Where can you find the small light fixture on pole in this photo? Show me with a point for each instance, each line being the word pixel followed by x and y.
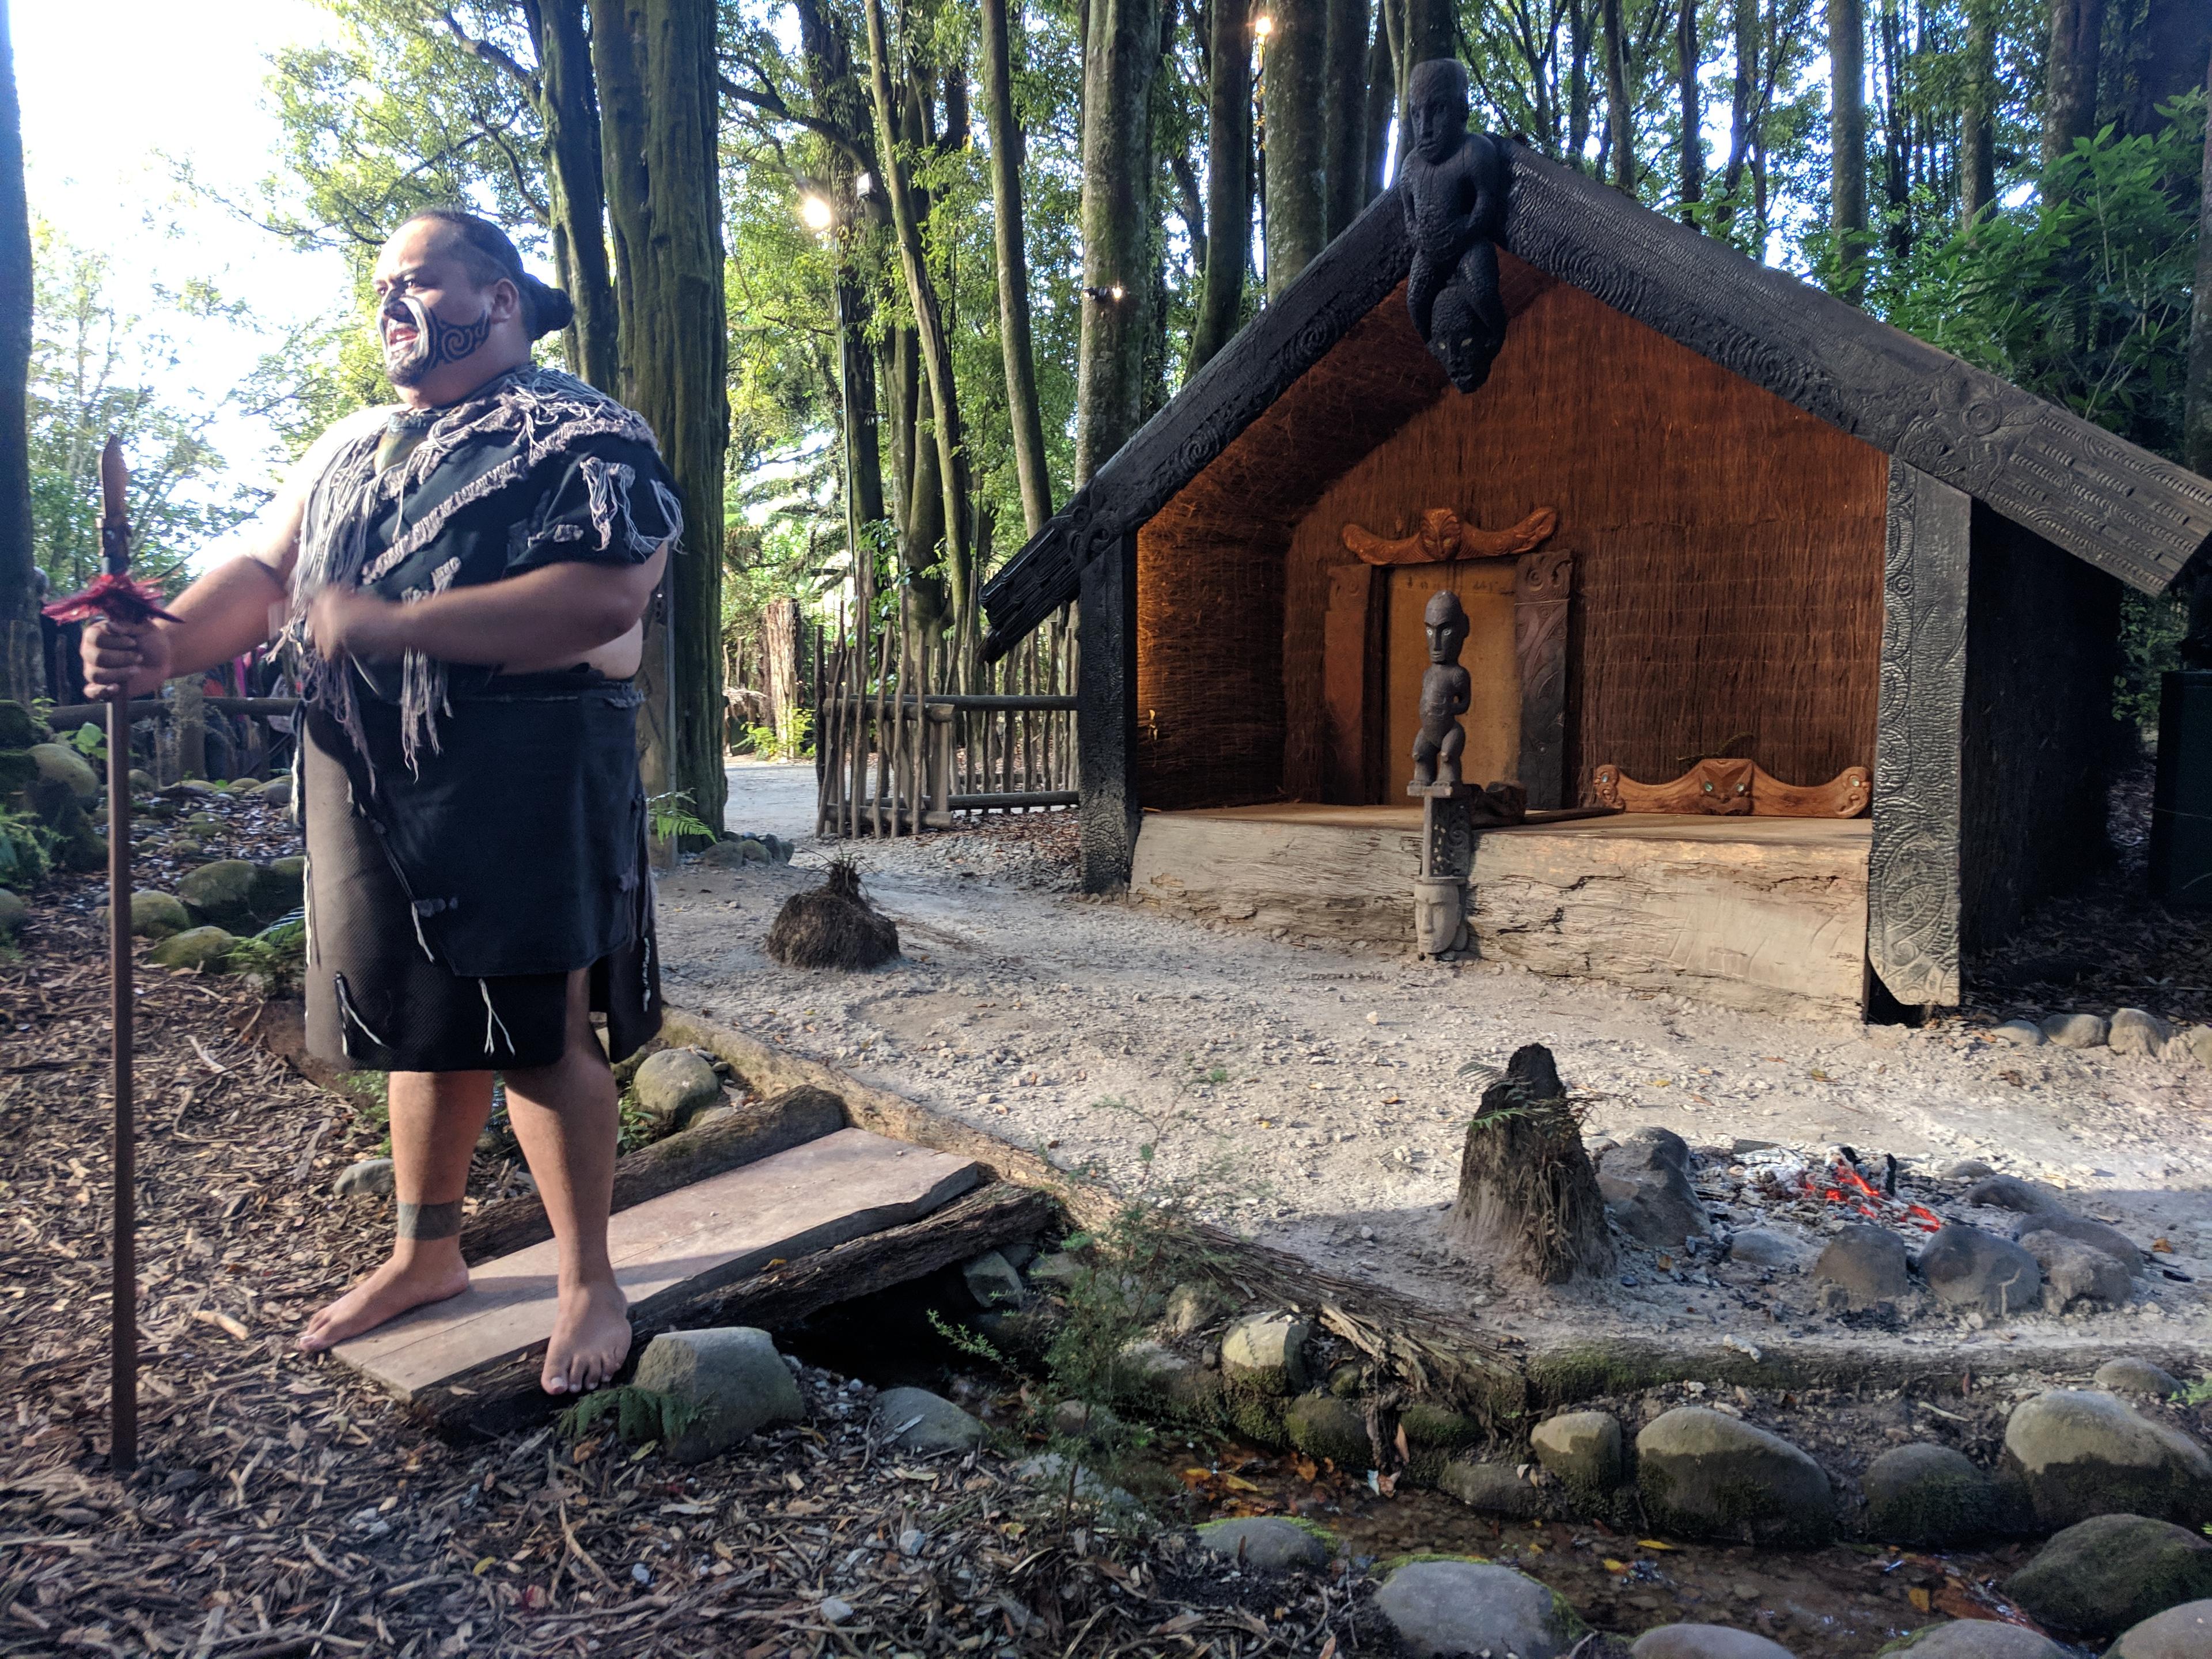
pixel 1104 295
pixel 1263 28
pixel 817 213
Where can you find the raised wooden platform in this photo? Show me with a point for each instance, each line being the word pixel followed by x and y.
pixel 1765 914
pixel 670 1252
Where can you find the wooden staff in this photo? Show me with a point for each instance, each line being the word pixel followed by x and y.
pixel 123 1386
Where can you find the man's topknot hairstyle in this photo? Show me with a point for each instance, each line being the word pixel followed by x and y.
pixel 487 253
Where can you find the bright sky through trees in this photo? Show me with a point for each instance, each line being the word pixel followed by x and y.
pixel 116 91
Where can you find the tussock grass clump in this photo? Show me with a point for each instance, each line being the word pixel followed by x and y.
pixel 833 926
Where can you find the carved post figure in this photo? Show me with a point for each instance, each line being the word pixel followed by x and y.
pixel 1446 691
pixel 1453 183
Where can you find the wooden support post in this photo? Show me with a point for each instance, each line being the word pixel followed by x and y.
pixel 937 811
pixel 1913 873
pixel 1106 715
pixel 191 727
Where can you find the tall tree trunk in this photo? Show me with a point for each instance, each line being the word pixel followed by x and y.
pixel 929 326
pixel 1228 182
pixel 1343 123
pixel 2069 103
pixel 1686 53
pixel 2159 60
pixel 568 105
pixel 660 118
pixel 861 412
pixel 1294 88
pixel 1430 31
pixel 2196 418
pixel 1022 411
pixel 1118 71
pixel 1978 164
pixel 2197 408
pixel 1742 89
pixel 1620 127
pixel 1847 209
pixel 1578 87
pixel 1382 103
pixel 23 669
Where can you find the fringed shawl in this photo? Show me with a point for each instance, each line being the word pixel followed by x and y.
pixel 534 467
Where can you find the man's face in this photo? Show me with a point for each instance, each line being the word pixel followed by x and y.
pixel 428 313
pixel 1438 121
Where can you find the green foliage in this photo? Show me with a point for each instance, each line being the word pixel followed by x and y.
pixel 25 851
pixel 275 957
pixel 642 1417
pixel 2081 295
pixel 794 742
pixel 672 815
pixel 89 741
pixel 95 369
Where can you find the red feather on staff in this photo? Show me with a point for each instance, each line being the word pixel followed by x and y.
pixel 120 599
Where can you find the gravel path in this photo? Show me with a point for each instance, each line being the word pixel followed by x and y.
pixel 1316 1098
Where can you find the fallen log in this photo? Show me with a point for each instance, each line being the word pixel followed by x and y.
pixel 743 1136
pixel 496 1398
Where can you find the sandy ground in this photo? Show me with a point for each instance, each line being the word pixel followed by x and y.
pixel 1318 1098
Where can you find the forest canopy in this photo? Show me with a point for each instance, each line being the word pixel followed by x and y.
pixel 939 259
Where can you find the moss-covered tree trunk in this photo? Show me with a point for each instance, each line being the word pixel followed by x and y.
pixel 1293 99
pixel 21 670
pixel 1227 180
pixel 1847 208
pixel 1528 1204
pixel 1122 56
pixel 1344 126
pixel 1023 412
pixel 951 463
pixel 655 60
pixel 2069 97
pixel 567 102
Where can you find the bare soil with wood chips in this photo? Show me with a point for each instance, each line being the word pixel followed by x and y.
pixel 282 1510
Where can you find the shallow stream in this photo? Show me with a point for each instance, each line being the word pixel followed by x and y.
pixel 1845 1602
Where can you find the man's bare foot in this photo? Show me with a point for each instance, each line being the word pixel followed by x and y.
pixel 386 1294
pixel 591 1337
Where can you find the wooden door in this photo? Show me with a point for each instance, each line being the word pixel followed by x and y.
pixel 1492 720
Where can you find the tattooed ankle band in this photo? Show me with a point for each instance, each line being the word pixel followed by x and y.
pixel 420 1221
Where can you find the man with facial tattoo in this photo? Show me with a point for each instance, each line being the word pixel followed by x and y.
pixel 464 575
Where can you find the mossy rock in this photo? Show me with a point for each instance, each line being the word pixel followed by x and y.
pixel 19 727
pixel 242 896
pixel 63 764
pixel 206 949
pixel 18 771
pixel 1255 1416
pixel 153 915
pixel 1439 1428
pixel 14 913
pixel 1321 1425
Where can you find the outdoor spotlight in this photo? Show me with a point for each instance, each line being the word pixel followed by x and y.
pixel 864 184
pixel 1105 295
pixel 816 213
pixel 1263 27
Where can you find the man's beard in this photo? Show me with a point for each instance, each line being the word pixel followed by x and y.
pixel 436 340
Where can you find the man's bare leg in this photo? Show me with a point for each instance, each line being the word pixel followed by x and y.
pixel 436 1117
pixel 565 1116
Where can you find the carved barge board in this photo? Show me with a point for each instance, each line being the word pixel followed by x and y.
pixel 1736 788
pixel 669 1253
pixel 2120 507
pixel 1913 874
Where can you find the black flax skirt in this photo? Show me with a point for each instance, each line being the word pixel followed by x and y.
pixel 384 989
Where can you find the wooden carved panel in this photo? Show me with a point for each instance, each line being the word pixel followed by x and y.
pixel 1912 878
pixel 1737 788
pixel 1543 583
pixel 1444 536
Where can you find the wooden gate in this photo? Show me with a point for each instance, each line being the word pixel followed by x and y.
pixel 912 739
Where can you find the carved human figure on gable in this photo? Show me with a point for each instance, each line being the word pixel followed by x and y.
pixel 1446 692
pixel 1453 183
